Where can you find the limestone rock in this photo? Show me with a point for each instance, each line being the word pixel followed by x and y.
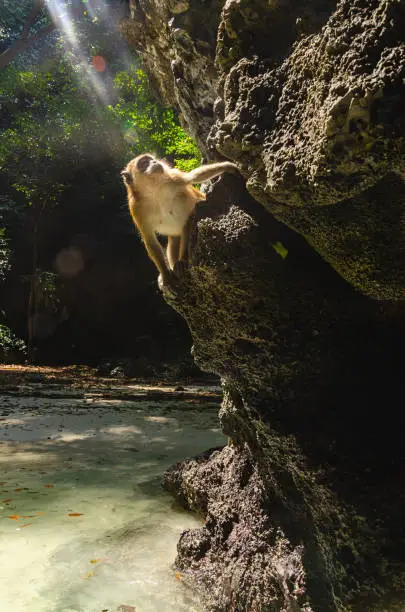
pixel 304 510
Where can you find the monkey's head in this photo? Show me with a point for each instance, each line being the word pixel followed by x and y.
pixel 143 165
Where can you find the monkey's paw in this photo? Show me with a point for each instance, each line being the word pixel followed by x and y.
pixel 168 284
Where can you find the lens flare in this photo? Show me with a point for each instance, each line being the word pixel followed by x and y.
pixel 69 262
pixel 99 63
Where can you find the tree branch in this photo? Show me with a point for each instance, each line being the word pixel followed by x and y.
pixel 47 30
pixel 32 17
pixel 23 43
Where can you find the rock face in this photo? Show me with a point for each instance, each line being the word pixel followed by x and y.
pixel 325 125
pixel 176 40
pixel 304 509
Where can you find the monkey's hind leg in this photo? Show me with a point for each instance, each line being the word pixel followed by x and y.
pixel 185 240
pixel 173 250
pixel 156 253
pixel 182 264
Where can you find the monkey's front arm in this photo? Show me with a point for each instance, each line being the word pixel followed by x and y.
pixel 209 171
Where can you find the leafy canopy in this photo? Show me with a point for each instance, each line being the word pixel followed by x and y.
pixel 147 126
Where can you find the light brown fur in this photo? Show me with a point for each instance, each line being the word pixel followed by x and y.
pixel 161 201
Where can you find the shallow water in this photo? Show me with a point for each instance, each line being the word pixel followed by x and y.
pixel 84 523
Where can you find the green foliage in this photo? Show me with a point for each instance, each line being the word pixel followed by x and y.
pixel 11 348
pixel 4 243
pixel 147 126
pixel 51 127
pixel 66 130
pixel 47 114
pixel 4 255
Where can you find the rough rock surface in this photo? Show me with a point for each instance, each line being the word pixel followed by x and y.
pixel 323 125
pixel 311 375
pixel 304 509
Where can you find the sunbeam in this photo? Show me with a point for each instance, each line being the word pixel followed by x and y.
pixel 68 18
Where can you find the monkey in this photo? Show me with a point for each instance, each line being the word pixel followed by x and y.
pixel 162 201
